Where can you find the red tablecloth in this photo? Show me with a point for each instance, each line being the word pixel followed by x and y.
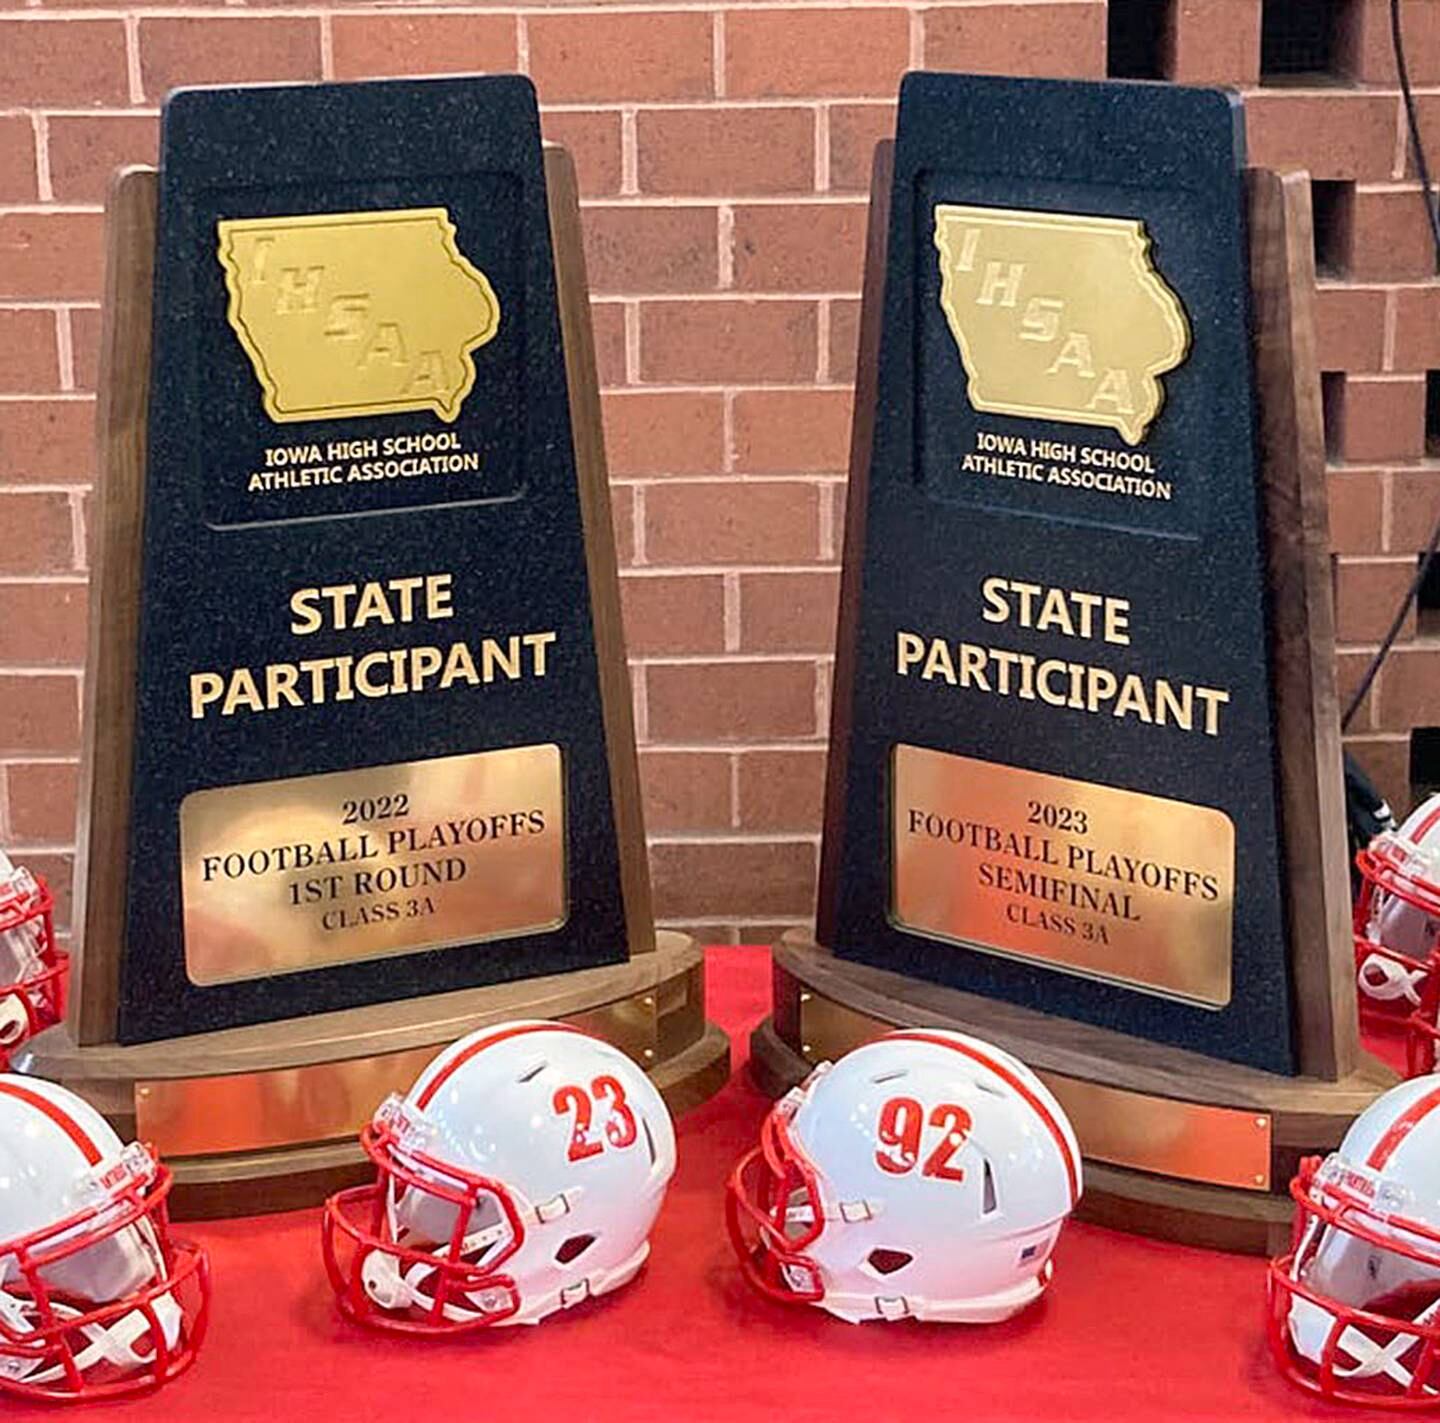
pixel 1131 1330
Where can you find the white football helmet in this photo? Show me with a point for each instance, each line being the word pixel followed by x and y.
pixel 95 1297
pixel 926 1175
pixel 33 970
pixel 1355 1305
pixel 1397 931
pixel 520 1175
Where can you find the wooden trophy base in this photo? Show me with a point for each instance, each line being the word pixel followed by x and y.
pixel 1176 1145
pixel 266 1118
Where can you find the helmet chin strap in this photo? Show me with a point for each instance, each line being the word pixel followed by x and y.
pixel 108 1343
pixel 1309 1323
pixel 1375 1360
pixel 393 1288
pixel 1391 980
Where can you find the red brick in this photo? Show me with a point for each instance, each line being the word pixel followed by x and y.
pixel 731 701
pixel 29 356
pixel 659 432
pixel 38 533
pixel 678 614
pixel 85 345
pixel 728 152
pixel 700 879
pixel 1366 596
pixel 1065 41
pixel 39 714
pixel 855 129
pixel 87 515
pixel 1382 419
pixel 1349 668
pixel 643 249
pixel 1387 763
pixel 608 320
pixel 760 933
pixel 51 255
pixel 1215 42
pixel 86 150
pixel 46 441
pixel 226 50
pixel 785 431
pixel 1368 52
pixel 786 53
pixel 622 512
pixel 709 935
pixel 685 790
pixel 810 247
pixel 1333 133
pixel 650 56
pixel 373 45
pixel 594 143
pixel 44 623
pixel 788 612
pixel 1417 328
pixel 1356 503
pixel 1410 695
pixel 836 493
pixel 707 524
pixel 1427 108
pixel 1415 499
pixel 781 790
pixel 42 801
pixel 727 341
pixel 844 339
pixel 1389 236
pixel 1349 327
pixel 62 63
pixel 18 182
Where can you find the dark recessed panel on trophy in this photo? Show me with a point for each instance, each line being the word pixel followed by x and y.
pixel 1084 796
pixel 358 772
pixel 370 751
pixel 1055 769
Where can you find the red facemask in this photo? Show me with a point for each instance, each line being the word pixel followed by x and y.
pixel 420 1251
pixel 1382 1352
pixel 55 1343
pixel 774 1213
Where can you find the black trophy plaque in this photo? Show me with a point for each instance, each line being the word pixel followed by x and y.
pixel 360 757
pixel 1084 781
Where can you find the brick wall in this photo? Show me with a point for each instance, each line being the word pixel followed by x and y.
pixel 723 150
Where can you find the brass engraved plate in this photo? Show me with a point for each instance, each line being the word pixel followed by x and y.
pixel 357 313
pixel 1106 883
pixel 1059 316
pixel 327 1101
pixel 282 876
pixel 1189 1141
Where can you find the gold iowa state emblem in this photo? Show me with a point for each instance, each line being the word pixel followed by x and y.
pixel 357 313
pixel 1059 315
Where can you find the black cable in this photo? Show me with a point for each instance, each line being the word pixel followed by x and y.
pixel 1427 196
pixel 1412 120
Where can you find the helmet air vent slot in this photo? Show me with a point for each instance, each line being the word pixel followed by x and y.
pixel 649 1141
pixel 989 1203
pixel 573 1248
pixel 531 1073
pixel 885 1077
pixel 887 1262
